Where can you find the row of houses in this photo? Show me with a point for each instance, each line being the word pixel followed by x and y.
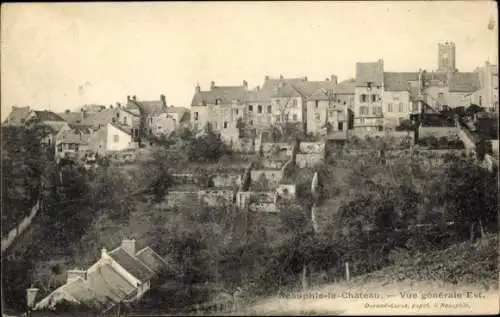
pixel 100 129
pixel 375 99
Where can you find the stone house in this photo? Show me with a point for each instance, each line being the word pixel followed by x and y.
pixel 151 114
pixel 111 137
pixel 120 277
pixel 368 114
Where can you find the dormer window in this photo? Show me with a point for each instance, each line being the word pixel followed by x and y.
pixel 250 108
pixel 259 109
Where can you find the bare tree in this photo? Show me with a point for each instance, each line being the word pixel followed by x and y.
pixel 284 109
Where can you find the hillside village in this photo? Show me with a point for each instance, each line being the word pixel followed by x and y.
pixel 277 138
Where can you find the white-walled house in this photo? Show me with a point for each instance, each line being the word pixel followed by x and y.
pixel 111 138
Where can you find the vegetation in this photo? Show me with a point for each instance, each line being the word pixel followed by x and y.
pixel 380 213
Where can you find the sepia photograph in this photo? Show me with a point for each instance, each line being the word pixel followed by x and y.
pixel 249 158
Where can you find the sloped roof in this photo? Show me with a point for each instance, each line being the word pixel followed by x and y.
pixel 179 110
pixel 72 117
pixel 110 287
pixel 398 81
pixel 47 116
pixel 464 82
pixel 58 296
pixel 318 95
pixel 226 95
pixel 55 126
pixel 17 115
pixel 148 107
pixel 94 119
pixel 286 90
pixel 308 88
pixel 74 137
pixel 131 264
pixel 345 87
pixel 152 259
pixel 369 72
pixel 121 128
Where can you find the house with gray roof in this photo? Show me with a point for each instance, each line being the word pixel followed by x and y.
pixel 117 280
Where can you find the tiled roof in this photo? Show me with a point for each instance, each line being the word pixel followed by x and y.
pixel 464 82
pixel 369 72
pixel 58 296
pixel 152 259
pixel 226 95
pixel 345 87
pixel 121 128
pixel 18 115
pixel 55 126
pixel 149 107
pixel 179 110
pixel 47 116
pixel 81 291
pixel 399 81
pixel 74 137
pixel 111 288
pixel 96 119
pixel 131 264
pixel 286 90
pixel 308 88
pixel 72 118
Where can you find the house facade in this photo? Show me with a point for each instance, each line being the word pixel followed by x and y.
pixel 111 137
pixel 368 96
pixel 153 115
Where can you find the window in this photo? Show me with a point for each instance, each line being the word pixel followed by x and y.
pixel 250 108
pixel 480 100
pixel 269 109
pixel 196 116
pixel 340 126
pixel 294 102
pixel 401 107
pixel 287 117
pixel 151 120
pixel 236 111
pixel 278 118
pixel 118 115
pixel 124 120
pixel 389 107
pixel 217 101
pixel 374 98
pixel 278 102
pixel 316 104
pixel 116 138
pixel 317 116
pixel 363 98
pixel 259 109
pixel 225 124
pixel 377 111
pixel 363 111
pixel 294 117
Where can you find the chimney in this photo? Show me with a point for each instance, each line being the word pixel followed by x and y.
pixel 134 98
pixel 85 114
pixel 281 77
pixel 128 99
pixel 118 105
pixel 104 253
pixel 266 78
pixel 163 100
pixel 74 274
pixel 305 78
pixel 212 85
pixel 245 84
pixel 129 246
pixel 258 88
pixel 31 297
pixel 197 88
pixel 334 79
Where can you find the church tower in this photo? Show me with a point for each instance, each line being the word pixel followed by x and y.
pixel 446 57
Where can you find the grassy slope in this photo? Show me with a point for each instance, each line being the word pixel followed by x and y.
pixel 465 266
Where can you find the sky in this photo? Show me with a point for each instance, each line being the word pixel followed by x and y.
pixel 61 56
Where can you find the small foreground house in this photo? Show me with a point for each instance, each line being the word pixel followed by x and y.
pixel 72 141
pixel 119 278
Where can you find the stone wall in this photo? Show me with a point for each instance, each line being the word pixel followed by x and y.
pixel 181 198
pixel 226 180
pixel 268 147
pixel 216 197
pixel 287 191
pixel 309 160
pixel 263 202
pixel 438 132
pixel 311 147
pixel 273 176
pixel 273 163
